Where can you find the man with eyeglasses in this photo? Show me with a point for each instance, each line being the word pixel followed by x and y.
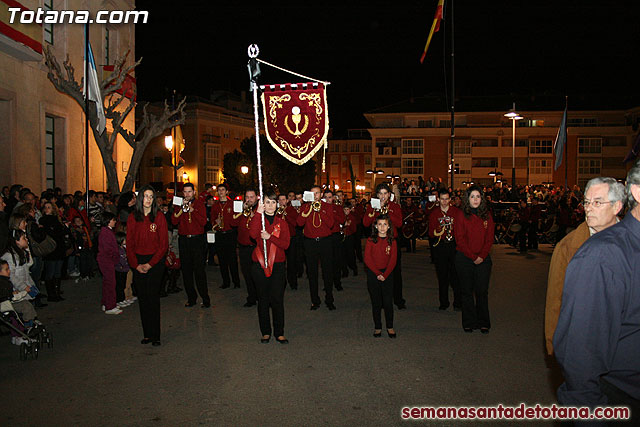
pixel 597 340
pixel 603 201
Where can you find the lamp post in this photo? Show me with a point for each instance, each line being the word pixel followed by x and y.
pixel 374 172
pixel 513 116
pixel 169 145
pixel 245 170
pixel 495 174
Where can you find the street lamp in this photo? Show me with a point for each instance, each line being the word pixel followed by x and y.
pixel 244 169
pixel 185 177
pixel 513 116
pixel 374 172
pixel 168 144
pixel 495 174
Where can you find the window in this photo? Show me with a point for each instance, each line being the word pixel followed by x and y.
pixel 212 155
pixel 212 175
pixel 367 148
pixel 540 166
pixel 445 123
pixel 589 145
pixel 412 146
pixel 614 141
pixel 519 142
pixel 541 146
pixel 461 147
pixel 354 148
pixel 48 28
pixel 581 122
pixel 226 134
pixel 49 144
pixel 367 161
pixel 425 123
pixel 107 52
pixel 485 143
pixel 412 166
pixel 589 166
pixel 484 162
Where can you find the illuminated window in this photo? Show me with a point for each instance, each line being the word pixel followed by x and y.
pixel 412 146
pixel 589 166
pixel 412 166
pixel 541 146
pixel 589 145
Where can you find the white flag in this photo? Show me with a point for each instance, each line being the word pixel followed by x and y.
pixel 94 91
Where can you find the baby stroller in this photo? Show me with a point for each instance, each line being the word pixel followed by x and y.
pixel 33 338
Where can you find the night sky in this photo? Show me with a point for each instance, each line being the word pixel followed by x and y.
pixel 370 50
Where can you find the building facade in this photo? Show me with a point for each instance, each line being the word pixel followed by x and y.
pixel 412 140
pixel 212 128
pixel 42 131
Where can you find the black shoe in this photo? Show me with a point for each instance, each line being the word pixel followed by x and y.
pixel 205 305
pixel 265 340
pixel 249 304
pixel 146 341
pixel 225 286
pixel 468 330
pixel 283 341
pixel 391 334
pixel 484 330
pixel 443 307
pixel 339 288
pixel 39 304
pixel 155 343
pixel 189 304
pixel 377 334
pixel 314 307
pixel 330 306
pixel 401 306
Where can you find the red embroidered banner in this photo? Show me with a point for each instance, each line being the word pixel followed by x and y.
pixel 295 119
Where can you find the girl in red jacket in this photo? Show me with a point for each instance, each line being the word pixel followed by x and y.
pixel 380 260
pixel 270 279
pixel 474 231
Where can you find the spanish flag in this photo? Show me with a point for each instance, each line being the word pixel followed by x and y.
pixel 434 28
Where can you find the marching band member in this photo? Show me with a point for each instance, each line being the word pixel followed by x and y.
pixel 441 225
pixel 358 212
pixel 290 215
pixel 395 215
pixel 191 218
pixel 410 212
pixel 429 208
pixel 226 239
pixel 246 244
pixel 317 220
pixel 270 278
pixel 336 237
pixel 147 245
pixel 348 259
pixel 474 233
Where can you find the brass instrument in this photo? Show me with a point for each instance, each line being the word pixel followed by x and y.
pixel 316 206
pixel 186 205
pixel 384 210
pixel 280 210
pixel 246 212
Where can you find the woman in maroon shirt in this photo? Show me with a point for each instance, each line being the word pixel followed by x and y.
pixel 270 280
pixel 380 255
pixel 474 232
pixel 147 245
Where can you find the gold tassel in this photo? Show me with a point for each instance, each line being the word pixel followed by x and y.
pixel 324 155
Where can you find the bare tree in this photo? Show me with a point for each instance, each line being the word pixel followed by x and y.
pixel 149 127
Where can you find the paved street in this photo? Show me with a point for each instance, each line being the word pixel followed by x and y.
pixel 212 368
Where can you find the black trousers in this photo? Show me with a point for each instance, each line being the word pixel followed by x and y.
pixel 192 263
pixel 121 284
pixel 445 259
pixel 226 251
pixel 292 262
pixel 397 280
pixel 270 295
pixel 319 250
pixel 522 236
pixel 348 258
pixel 336 254
pixel 246 266
pixel 617 397
pixel 300 256
pixel 474 281
pixel 381 294
pixel 148 288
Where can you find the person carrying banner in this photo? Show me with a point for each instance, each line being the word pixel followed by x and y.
pixel 395 215
pixel 246 244
pixel 316 218
pixel 226 237
pixel 270 278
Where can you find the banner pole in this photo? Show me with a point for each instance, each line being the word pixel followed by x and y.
pixel 254 72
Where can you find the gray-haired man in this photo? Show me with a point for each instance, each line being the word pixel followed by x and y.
pixel 597 340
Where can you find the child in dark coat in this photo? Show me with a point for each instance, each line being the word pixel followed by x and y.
pixel 108 257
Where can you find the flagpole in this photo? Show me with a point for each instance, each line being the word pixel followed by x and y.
pixel 566 143
pixel 254 72
pixel 86 113
pixel 453 100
